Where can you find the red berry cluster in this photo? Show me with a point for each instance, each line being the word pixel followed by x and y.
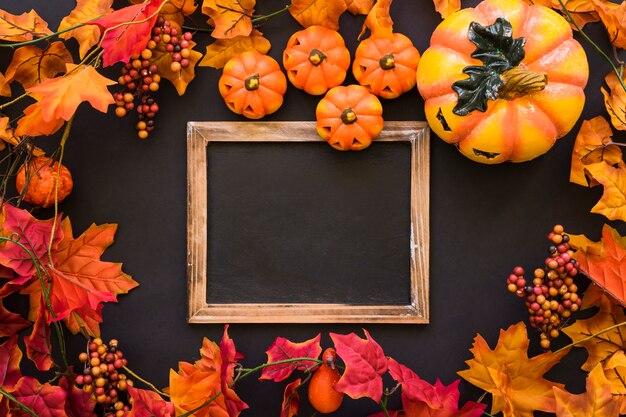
pixel 553 295
pixel 172 42
pixel 101 376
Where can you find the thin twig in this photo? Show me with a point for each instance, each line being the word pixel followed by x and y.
pixel 137 377
pixel 586 339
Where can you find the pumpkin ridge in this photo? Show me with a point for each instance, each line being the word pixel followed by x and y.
pixel 543 47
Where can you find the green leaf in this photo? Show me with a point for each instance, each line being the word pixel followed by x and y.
pixel 482 85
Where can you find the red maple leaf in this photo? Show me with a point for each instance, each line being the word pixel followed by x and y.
pixel 365 364
pixel 291 399
pixel 10 357
pixel 38 347
pixel 283 349
pixel 79 403
pixel 45 400
pixel 149 404
pixel 122 37
pixel 230 358
pixel 11 323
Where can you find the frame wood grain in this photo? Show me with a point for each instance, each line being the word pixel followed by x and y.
pixel 199 134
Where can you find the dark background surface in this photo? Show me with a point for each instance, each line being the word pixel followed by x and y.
pixel 484 220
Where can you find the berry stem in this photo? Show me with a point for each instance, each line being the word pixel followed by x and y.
pixel 383 405
pixel 18 403
pixel 588 338
pixel 137 377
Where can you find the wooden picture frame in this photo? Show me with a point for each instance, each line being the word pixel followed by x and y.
pixel 200 134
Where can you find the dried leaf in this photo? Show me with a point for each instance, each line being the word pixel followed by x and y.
pixel 33 124
pixel 318 12
pixel 38 348
pixel 283 349
pixel 360 6
pixel 10 358
pixel 597 401
pixel 592 146
pixel 291 399
pixel 612 204
pixel 231 18
pixel 219 52
pixel 379 21
pixel 61 96
pixel 11 323
pixel 615 101
pixel 600 348
pixel 515 381
pixel 24 27
pixel 79 403
pixel 45 400
pixel 613 17
pixel 365 364
pixel 446 7
pixel 126 31
pixel 149 404
pixel 85 11
pixel 31 65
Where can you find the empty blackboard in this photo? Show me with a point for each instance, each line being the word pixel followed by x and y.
pixel 283 228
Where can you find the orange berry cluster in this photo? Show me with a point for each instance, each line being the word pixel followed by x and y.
pixel 552 296
pixel 102 377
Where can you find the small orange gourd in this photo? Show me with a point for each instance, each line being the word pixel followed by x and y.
pixel 349 117
pixel 316 59
pixel 386 66
pixel 322 396
pixel 39 176
pixel 253 85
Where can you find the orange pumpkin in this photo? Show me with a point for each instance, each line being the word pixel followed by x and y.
pixel 316 59
pixel 39 176
pixel 503 81
pixel 348 118
pixel 386 66
pixel 252 84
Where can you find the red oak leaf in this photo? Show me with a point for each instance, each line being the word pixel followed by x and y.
pixel 79 403
pixel 10 357
pixel 11 323
pixel 61 96
pixel 45 400
pixel 149 404
pixel 38 347
pixel 291 399
pixel 283 349
pixel 365 363
pixel 127 31
pixel 230 358
pixel 32 233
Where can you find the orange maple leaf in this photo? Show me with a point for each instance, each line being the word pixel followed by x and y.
pixel 85 11
pixel 446 7
pixel 602 347
pixel 231 18
pixel 615 101
pixel 21 28
pixel 582 11
pixel 593 146
pixel 614 370
pixel 175 10
pixel 597 401
pixel 613 17
pixel 379 21
pixel 219 52
pixel 515 381
pixel 33 124
pixel 5 88
pixel 31 65
pixel 61 96
pixel 360 6
pixel 612 204
pixel 318 12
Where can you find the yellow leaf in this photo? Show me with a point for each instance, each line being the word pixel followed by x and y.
pixel 175 10
pixel 21 28
pixel 597 401
pixel 515 381
pixel 31 66
pixel 61 96
pixel 591 147
pixel 614 370
pixel 446 7
pixel 360 6
pixel 318 12
pixel 88 35
pixel 231 18
pixel 220 51
pixel 379 21
pixel 612 204
pixel 613 17
pixel 615 101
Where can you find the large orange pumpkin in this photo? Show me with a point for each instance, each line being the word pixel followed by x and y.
pixel 316 59
pixel 349 118
pixel 503 81
pixel 252 84
pixel 386 66
pixel 39 176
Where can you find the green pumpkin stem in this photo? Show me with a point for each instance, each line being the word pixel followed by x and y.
pixel 316 57
pixel 387 62
pixel 252 82
pixel 348 116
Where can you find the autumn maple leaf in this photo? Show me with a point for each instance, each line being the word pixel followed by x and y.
pixel 10 357
pixel 45 400
pixel 612 204
pixel 38 348
pixel 87 36
pixel 25 27
pixel 614 369
pixel 379 21
pixel 446 7
pixel 515 381
pixel 291 399
pixel 360 6
pixel 591 147
pixel 32 123
pixel 597 401
pixel 126 31
pixel 231 18
pixel 61 96
pixel 78 403
pixel 149 404
pixel 11 323
pixel 613 17
pixel 283 349
pixel 31 65
pixel 615 101
pixel 230 358
pixel 365 364
pixel 219 52
pixel 318 12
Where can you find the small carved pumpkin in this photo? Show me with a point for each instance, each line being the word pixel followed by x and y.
pixel 316 59
pixel 348 118
pixel 252 84
pixel 503 81
pixel 386 66
pixel 39 176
